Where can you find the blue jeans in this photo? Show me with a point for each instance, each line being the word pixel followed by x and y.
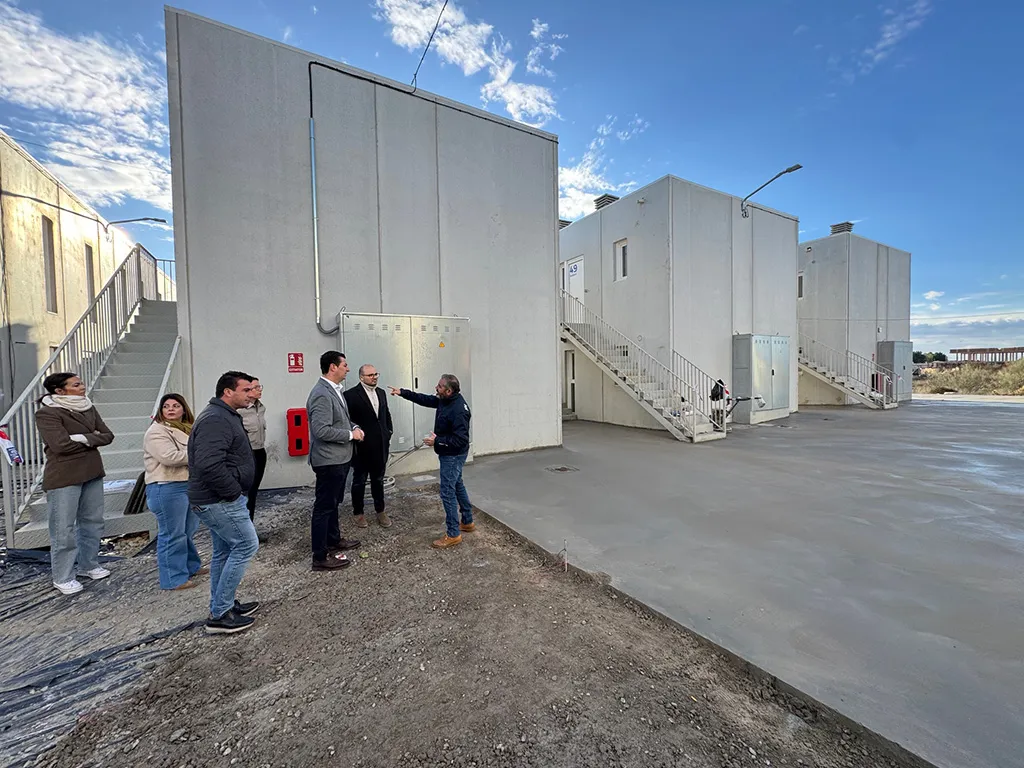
pixel 453 494
pixel 234 544
pixel 177 558
pixel 76 524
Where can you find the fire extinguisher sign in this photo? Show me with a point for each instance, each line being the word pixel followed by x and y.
pixel 295 364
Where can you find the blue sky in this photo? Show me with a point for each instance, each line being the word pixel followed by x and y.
pixel 906 114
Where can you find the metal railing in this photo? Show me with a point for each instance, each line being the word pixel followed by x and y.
pixel 654 381
pixel 701 385
pixel 877 382
pixel 84 351
pixel 172 380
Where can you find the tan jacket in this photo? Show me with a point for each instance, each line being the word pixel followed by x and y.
pixel 254 420
pixel 165 454
pixel 68 462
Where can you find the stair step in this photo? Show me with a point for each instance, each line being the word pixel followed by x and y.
pixel 146 347
pixel 132 358
pixel 117 458
pixel 130 381
pixel 114 370
pixel 130 395
pixel 36 535
pixel 139 410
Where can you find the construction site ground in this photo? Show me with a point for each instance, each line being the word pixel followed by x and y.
pixel 488 654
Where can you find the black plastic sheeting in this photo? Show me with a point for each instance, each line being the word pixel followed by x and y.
pixel 44 685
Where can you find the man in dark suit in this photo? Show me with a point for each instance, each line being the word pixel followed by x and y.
pixel 368 406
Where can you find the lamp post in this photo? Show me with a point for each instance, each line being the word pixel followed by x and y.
pixel 743 203
pixel 130 221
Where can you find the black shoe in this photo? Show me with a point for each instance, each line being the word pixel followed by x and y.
pixel 344 545
pixel 246 609
pixel 228 624
pixel 262 538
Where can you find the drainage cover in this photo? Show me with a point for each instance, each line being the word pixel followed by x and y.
pixel 562 468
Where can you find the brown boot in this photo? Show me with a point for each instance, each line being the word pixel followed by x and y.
pixel 361 521
pixel 202 571
pixel 331 563
pixel 383 520
pixel 467 527
pixel 447 541
pixel 187 585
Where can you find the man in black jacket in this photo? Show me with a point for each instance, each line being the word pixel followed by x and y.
pixel 450 440
pixel 368 407
pixel 220 471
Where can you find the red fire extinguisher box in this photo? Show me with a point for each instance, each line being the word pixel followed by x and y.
pixel 298 432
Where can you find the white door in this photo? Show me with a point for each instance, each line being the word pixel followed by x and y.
pixel 574 279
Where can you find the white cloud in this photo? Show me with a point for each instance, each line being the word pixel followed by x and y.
pixel 634 128
pixel 1003 277
pixel 315 10
pixel 287 34
pixel 934 307
pixel 931 295
pixel 1003 330
pixel 895 29
pixel 801 29
pixel 542 50
pixel 92 100
pixel 992 306
pixel 471 46
pixel 539 30
pixel 580 183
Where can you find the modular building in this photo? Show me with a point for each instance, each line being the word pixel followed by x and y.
pixel 319 207
pixel 681 273
pixel 854 307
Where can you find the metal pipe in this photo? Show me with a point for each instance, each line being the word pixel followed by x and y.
pixel 316 225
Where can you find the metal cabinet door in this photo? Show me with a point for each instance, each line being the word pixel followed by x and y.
pixel 780 369
pixel 439 345
pixel 384 341
pixel 762 368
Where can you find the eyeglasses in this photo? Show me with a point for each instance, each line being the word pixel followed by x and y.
pixel 371 375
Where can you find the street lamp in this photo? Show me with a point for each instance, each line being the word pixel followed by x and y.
pixel 743 203
pixel 144 218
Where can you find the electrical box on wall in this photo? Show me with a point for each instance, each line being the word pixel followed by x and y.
pixel 760 367
pixel 298 432
pixel 411 352
pixel 898 357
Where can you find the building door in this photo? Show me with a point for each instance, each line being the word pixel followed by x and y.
pixel 574 279
pixel 569 394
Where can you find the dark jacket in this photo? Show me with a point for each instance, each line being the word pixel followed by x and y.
pixel 451 423
pixel 220 462
pixel 68 462
pixel 372 452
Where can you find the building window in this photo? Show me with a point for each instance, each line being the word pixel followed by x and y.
pixel 621 260
pixel 90 275
pixel 800 286
pixel 49 266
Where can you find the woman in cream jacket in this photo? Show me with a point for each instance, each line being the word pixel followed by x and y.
pixel 165 457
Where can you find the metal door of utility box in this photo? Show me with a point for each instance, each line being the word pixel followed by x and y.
pixel 898 357
pixel 760 366
pixel 409 352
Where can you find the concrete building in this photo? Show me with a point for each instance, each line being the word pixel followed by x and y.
pixel 421 209
pixel 854 306
pixel 56 253
pixel 684 275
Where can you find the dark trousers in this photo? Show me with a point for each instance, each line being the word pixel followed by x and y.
pixel 260 455
pixel 330 490
pixel 359 476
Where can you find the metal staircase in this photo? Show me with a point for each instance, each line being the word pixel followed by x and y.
pixel 857 377
pixel 124 347
pixel 667 394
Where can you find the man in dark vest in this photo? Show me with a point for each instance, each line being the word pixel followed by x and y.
pixel 368 406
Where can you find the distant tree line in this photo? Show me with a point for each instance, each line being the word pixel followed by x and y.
pixel 930 357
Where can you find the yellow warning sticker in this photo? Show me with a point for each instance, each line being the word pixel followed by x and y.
pixel 441 345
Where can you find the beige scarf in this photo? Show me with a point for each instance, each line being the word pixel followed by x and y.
pixel 76 403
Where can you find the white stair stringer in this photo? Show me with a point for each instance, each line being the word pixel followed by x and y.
pixel 664 404
pixel 848 373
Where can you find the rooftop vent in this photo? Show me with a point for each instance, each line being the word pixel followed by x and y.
pixel 846 226
pixel 563 223
pixel 604 200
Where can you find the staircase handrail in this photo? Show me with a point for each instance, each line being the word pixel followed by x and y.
pixel 850 365
pixel 85 350
pixel 607 341
pixel 166 380
pixel 701 384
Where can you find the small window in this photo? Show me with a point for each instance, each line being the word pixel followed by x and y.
pixel 90 275
pixel 800 286
pixel 49 266
pixel 621 260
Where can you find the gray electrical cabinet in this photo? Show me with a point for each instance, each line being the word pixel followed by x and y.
pixel 409 351
pixel 760 367
pixel 898 357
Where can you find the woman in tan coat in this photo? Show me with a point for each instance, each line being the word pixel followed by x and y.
pixel 72 432
pixel 165 457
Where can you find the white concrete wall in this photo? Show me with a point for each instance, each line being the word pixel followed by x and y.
pixel 29 327
pixel 856 293
pixel 425 206
pixel 698 274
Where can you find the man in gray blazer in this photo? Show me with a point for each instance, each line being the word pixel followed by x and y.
pixel 331 433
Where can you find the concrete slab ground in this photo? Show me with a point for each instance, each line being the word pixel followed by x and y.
pixel 875 560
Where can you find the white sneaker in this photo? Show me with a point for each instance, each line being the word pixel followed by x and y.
pixel 95 574
pixel 72 587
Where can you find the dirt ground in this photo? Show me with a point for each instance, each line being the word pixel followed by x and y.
pixel 488 654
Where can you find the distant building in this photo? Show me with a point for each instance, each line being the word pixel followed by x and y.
pixel 55 255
